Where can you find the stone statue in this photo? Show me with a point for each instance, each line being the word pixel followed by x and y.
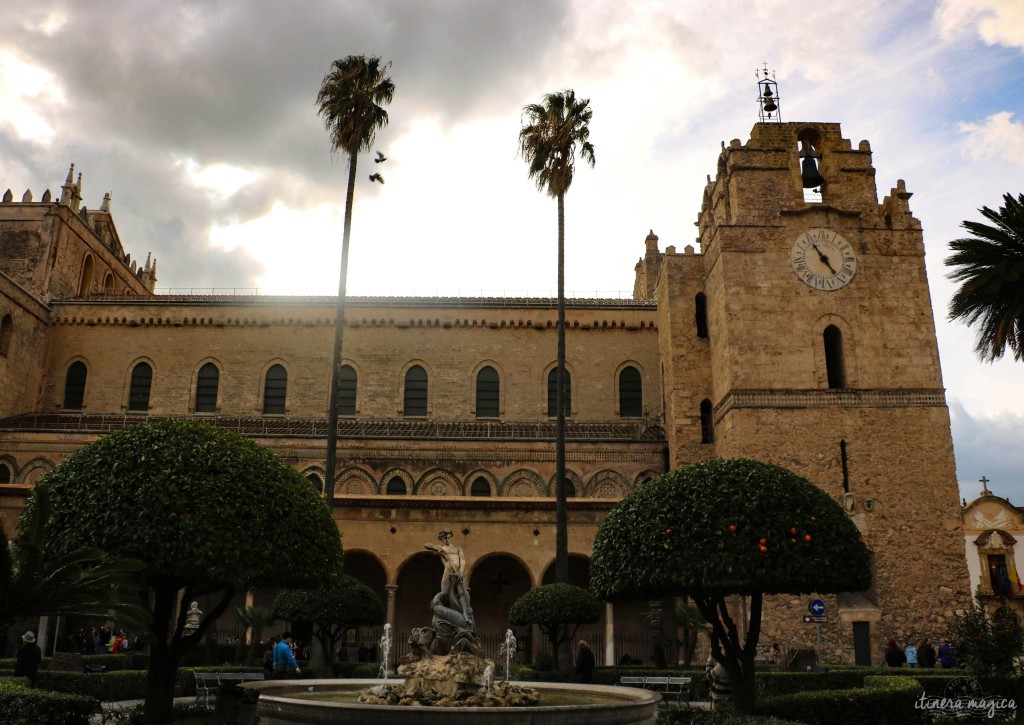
pixel 453 615
pixel 192 618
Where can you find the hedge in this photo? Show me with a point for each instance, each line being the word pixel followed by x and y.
pixel 696 716
pixel 111 662
pixel 20 705
pixel 882 700
pixel 123 684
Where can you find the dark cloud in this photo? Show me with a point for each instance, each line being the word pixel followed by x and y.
pixel 149 84
pixel 988 447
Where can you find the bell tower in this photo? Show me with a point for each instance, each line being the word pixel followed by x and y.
pixel 817 352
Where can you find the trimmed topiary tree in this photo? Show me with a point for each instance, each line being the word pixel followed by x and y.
pixel 559 610
pixel 723 528
pixel 332 612
pixel 988 642
pixel 207 511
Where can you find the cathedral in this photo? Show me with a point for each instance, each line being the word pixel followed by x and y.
pixel 799 333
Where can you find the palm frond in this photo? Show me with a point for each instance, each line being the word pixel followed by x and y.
pixel 351 100
pixel 989 264
pixel 556 131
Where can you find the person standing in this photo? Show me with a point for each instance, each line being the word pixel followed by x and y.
pixel 284 660
pixel 911 654
pixel 29 657
pixel 585 663
pixel 946 656
pixel 893 654
pixel 268 659
pixel 926 655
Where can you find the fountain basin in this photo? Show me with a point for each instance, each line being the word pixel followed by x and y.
pixel 288 701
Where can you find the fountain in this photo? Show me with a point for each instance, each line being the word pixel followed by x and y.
pixel 445 679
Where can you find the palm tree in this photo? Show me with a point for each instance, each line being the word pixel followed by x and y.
pixel 554 132
pixel 990 264
pixel 86 583
pixel 350 102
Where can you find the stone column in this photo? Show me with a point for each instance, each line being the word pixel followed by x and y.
pixel 392 590
pixel 609 635
pixel 42 634
pixel 249 632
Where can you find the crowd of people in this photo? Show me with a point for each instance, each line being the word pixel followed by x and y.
pixel 95 641
pixel 280 658
pixel 925 656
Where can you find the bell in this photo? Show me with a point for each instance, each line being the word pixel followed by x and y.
pixel 809 173
pixel 769 102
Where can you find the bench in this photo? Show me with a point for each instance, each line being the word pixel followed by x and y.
pixel 665 686
pixel 211 682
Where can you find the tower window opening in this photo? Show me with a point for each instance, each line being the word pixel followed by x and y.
pixel 812 182
pixel 834 365
pixel 396 487
pixel 480 487
pixel 701 306
pixel 5 473
pixel 707 425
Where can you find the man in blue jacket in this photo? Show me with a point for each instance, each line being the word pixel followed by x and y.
pixel 284 660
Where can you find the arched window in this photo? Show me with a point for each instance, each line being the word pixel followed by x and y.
pixel 834 365
pixel 631 393
pixel 318 484
pixel 701 304
pixel 275 389
pixel 74 386
pixel 5 473
pixel 206 388
pixel 6 330
pixel 488 388
pixel 570 489
pixel 347 391
pixel 108 284
pixel 138 391
pixel 553 390
pixel 707 425
pixel 481 487
pixel 396 487
pixel 85 284
pixel 415 392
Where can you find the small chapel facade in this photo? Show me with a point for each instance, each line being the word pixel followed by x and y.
pixel 801 333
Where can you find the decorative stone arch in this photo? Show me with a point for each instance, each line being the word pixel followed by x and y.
pixel 534 576
pixel 261 383
pixel 382 487
pixel 577 483
pixel 644 387
pixel 645 476
pixel 195 383
pixel 523 484
pixel 480 473
pixel 12 467
pixel 108 283
pixel 438 482
pixel 849 350
pixel 33 471
pixel 401 385
pixel 86 277
pixel 315 472
pixel 125 396
pixel 606 484
pixel 355 480
pixel 573 404
pixel 578 563
pixel 501 385
pixel 389 576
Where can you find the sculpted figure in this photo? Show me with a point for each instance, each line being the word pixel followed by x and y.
pixel 454 594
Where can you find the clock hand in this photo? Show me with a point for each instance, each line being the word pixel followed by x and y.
pixel 823 258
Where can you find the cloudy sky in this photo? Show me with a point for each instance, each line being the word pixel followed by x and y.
pixel 199 118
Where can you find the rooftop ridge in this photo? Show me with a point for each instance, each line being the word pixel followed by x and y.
pixel 363 301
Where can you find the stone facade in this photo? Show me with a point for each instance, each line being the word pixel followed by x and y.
pixel 745 348
pixel 992 528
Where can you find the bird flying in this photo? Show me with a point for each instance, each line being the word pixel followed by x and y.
pixel 377 177
pixel 380 157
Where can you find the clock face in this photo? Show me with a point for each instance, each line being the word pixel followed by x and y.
pixel 823 260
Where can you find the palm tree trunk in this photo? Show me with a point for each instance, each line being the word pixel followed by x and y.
pixel 339 331
pixel 561 508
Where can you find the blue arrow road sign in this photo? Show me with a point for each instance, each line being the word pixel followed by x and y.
pixel 816 607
